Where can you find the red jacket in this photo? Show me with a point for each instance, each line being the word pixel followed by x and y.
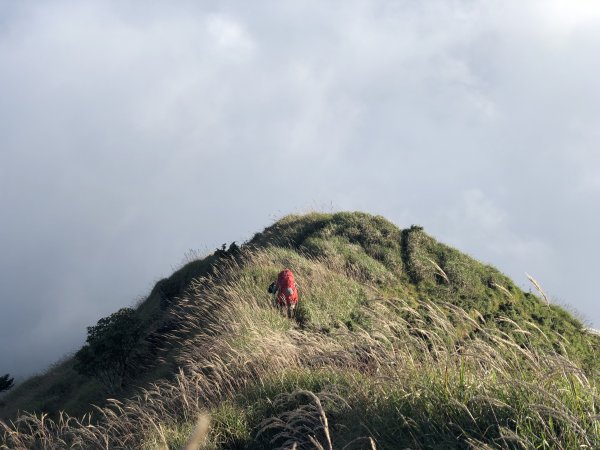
pixel 287 291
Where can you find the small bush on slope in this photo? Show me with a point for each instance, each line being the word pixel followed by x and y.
pixel 62 389
pixel 431 376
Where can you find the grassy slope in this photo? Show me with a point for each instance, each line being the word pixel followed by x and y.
pixel 412 265
pixel 403 339
pixel 61 388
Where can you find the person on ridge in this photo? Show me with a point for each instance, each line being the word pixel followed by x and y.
pixel 285 292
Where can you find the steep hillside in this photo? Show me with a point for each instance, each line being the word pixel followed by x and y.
pixel 399 342
pixel 62 388
pixel 412 265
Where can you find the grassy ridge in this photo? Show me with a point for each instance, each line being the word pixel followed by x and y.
pixel 400 342
pixel 62 389
pixel 412 265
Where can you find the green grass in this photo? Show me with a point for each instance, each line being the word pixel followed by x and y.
pixel 422 409
pixel 398 338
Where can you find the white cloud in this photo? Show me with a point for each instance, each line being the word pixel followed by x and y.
pixel 130 133
pixel 568 15
pixel 475 217
pixel 230 36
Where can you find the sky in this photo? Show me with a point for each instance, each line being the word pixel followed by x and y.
pixel 134 132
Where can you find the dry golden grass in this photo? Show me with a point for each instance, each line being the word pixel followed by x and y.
pixel 538 287
pixel 232 341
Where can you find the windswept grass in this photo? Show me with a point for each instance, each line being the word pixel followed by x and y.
pixel 360 369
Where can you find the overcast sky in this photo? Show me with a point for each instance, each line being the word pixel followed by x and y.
pixel 134 131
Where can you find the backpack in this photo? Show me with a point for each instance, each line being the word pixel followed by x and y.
pixel 285 280
pixel 287 285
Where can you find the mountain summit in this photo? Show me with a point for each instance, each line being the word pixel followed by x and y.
pixel 399 341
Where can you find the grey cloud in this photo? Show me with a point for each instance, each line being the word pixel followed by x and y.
pixel 131 133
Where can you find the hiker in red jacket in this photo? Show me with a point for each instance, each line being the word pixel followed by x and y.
pixel 285 292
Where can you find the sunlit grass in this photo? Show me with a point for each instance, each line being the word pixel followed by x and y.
pixel 361 367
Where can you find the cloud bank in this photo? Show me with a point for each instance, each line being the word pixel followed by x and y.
pixel 131 132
